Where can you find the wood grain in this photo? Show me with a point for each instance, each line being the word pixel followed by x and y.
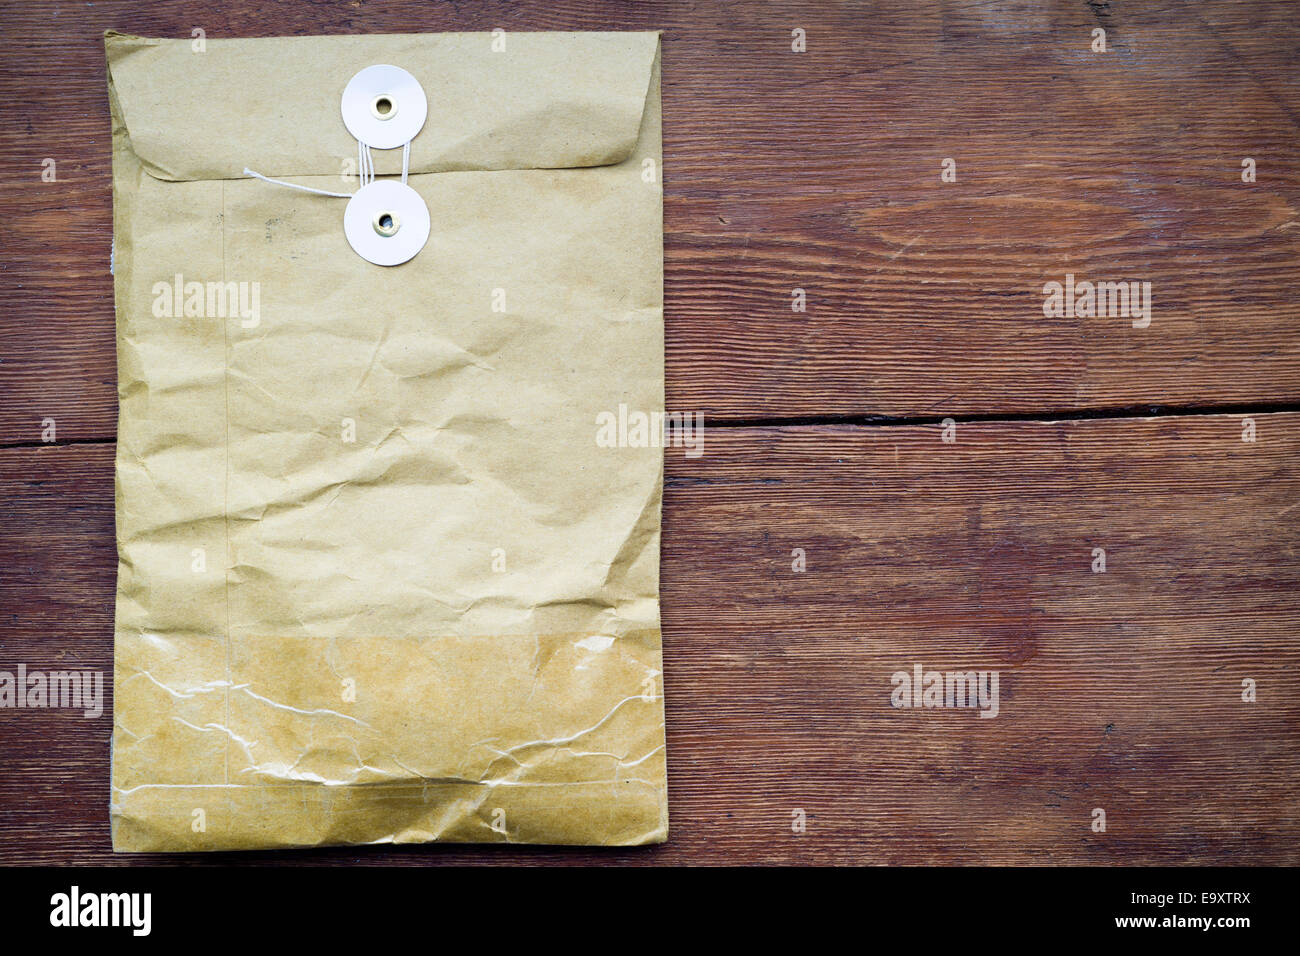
pixel 1119 690
pixel 819 171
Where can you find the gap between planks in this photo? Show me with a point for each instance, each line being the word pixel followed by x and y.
pixel 903 421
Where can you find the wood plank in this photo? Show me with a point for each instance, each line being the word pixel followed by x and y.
pixel 818 171
pixel 1119 690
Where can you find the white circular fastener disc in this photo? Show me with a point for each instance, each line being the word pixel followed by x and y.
pixel 386 222
pixel 384 106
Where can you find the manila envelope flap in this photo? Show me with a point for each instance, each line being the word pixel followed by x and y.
pixel 545 101
pixel 380 579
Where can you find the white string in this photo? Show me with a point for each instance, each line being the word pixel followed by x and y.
pixel 306 189
pixel 365 172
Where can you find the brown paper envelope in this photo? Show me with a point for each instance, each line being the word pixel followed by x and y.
pixel 379 581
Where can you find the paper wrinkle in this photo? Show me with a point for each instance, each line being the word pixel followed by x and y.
pixel 449 616
pixel 490 776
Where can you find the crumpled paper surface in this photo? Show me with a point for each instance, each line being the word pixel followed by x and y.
pixel 447 627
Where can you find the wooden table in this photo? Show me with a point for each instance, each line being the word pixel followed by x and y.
pixel 823 171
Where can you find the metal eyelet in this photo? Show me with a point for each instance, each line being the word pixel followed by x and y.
pixel 386 223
